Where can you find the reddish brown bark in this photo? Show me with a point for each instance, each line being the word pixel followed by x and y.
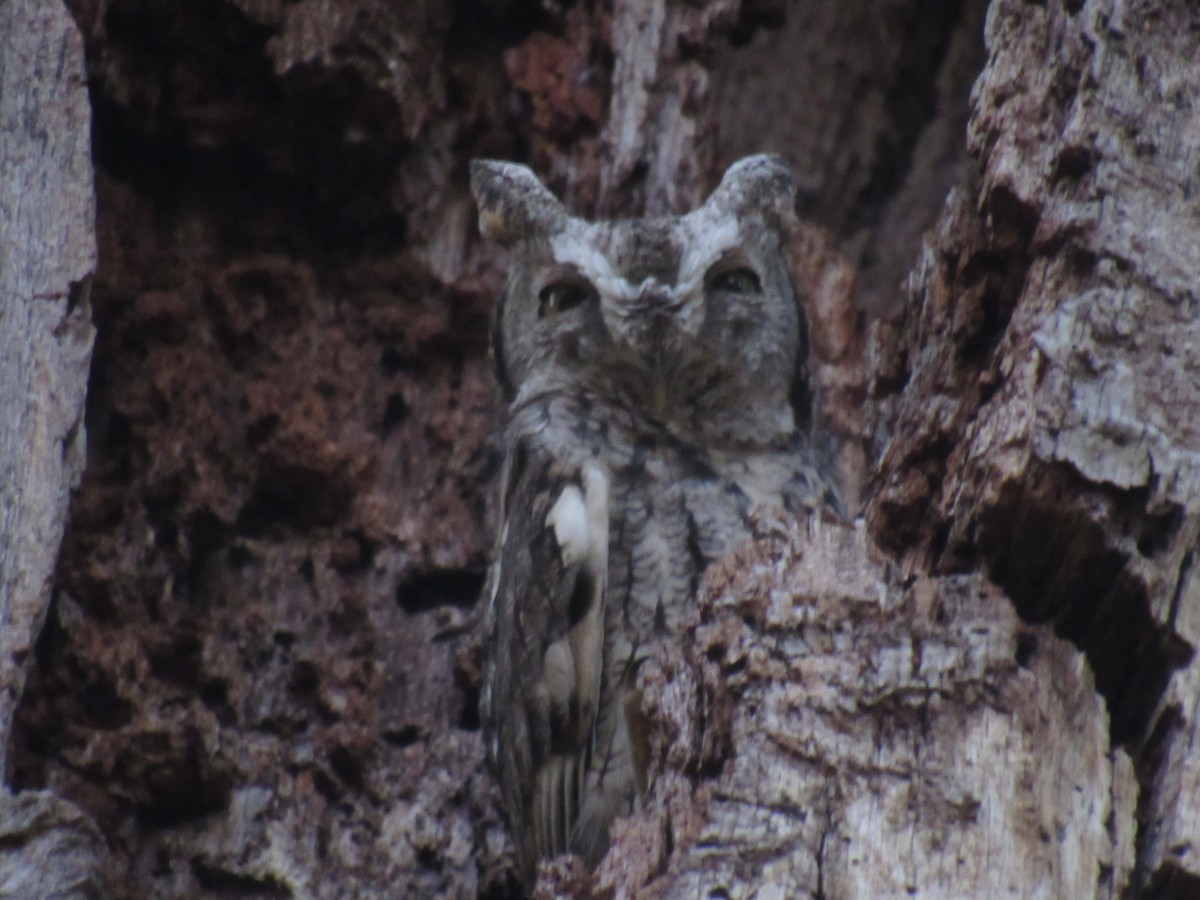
pixel 259 669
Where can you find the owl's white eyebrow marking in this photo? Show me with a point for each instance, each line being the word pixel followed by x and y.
pixel 704 248
pixel 709 238
pixel 594 265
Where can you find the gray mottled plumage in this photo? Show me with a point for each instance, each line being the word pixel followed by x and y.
pixel 655 371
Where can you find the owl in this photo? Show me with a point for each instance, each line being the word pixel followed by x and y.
pixel 656 381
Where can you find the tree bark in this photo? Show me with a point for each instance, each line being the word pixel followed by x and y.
pixel 259 673
pixel 47 242
pixel 1049 332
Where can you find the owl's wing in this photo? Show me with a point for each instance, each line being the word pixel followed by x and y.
pixel 546 618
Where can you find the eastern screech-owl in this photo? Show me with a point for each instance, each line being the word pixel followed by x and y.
pixel 655 371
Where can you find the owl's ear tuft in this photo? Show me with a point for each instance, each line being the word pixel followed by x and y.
pixel 513 203
pixel 762 184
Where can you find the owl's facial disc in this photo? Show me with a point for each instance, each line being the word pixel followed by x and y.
pixel 645 317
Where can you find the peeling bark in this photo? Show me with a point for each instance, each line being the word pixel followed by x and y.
pixel 259 671
pixel 869 713
pixel 1045 430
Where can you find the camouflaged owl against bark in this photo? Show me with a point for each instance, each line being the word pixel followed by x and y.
pixel 650 368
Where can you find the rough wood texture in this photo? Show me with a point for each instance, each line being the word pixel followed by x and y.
pixel 1039 411
pixel 887 736
pixel 49 848
pixel 47 255
pixel 259 674
pixel 1042 419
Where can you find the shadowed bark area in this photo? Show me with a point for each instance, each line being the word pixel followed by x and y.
pixel 259 670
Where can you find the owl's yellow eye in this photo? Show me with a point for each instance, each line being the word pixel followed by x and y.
pixel 740 280
pixel 563 295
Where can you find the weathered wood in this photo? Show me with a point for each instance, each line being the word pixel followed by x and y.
pixel 260 673
pixel 660 137
pixel 48 848
pixel 888 736
pixel 1043 424
pixel 47 256
pixel 48 245
pixel 1085 335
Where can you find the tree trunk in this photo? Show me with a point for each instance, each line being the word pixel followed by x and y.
pixel 47 256
pixel 260 668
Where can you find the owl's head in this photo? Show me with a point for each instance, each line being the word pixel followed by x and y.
pixel 691 320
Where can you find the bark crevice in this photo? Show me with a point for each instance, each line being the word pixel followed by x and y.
pixel 261 630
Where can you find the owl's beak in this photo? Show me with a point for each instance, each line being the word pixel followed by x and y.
pixel 657 309
pixel 646 325
pixel 658 396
